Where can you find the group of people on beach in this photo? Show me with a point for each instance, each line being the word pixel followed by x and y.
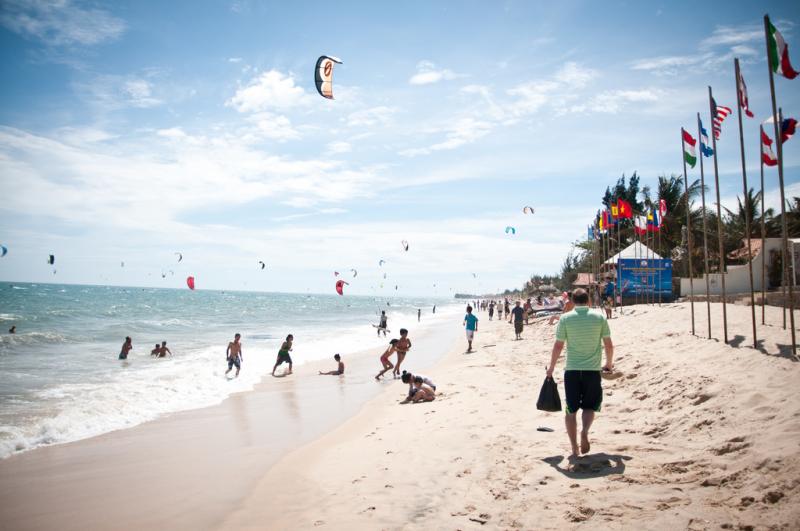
pixel 159 351
pixel 586 335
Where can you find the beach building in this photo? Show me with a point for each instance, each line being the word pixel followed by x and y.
pixel 737 277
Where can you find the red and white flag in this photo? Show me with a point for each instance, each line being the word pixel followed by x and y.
pixel 743 97
pixel 767 156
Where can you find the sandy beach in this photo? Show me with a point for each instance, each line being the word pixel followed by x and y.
pixel 693 435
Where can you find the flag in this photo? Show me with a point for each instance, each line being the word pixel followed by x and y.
pixel 689 154
pixel 600 221
pixel 614 211
pixel 767 156
pixel 625 209
pixel 778 53
pixel 640 225
pixel 654 221
pixel 591 233
pixel 662 207
pixel 705 149
pixel 718 115
pixel 788 127
pixel 743 96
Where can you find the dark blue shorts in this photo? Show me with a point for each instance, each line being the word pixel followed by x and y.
pixel 583 390
pixel 232 362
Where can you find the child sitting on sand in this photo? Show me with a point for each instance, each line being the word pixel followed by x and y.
pixel 410 379
pixel 422 392
pixel 387 365
pixel 283 354
pixel 338 371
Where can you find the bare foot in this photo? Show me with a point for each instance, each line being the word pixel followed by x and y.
pixel 585 446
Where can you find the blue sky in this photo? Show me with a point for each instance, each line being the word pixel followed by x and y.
pixel 131 130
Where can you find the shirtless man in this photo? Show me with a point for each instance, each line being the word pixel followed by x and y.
pixel 234 354
pixel 402 347
pixel 126 348
pixel 163 351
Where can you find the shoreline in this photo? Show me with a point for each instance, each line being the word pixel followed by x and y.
pixel 230 445
pixel 688 436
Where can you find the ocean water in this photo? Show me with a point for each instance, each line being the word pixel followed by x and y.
pixel 61 380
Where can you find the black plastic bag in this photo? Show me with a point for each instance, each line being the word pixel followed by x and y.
pixel 549 399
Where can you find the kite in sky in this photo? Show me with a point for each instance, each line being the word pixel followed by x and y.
pixel 180 256
pixel 323 75
pixel 355 273
pixel 527 210
pixel 190 282
pixel 51 259
pixel 340 284
pixel 511 229
pixel 3 250
pixel 381 262
pixel 263 265
pixel 405 245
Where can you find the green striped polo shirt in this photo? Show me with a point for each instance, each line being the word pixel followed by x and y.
pixel 583 331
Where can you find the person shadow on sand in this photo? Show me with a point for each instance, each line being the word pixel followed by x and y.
pixel 591 465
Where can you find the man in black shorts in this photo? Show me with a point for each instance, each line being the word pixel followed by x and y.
pixel 583 331
pixel 518 314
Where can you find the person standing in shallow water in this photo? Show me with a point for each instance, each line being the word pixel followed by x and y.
pixel 283 354
pixel 126 348
pixel 419 314
pixel 584 333
pixel 233 354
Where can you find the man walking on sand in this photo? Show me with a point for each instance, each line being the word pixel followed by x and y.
pixel 471 326
pixel 582 331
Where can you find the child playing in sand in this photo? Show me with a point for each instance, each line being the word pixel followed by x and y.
pixel 408 378
pixel 402 347
pixel 337 372
pixel 387 365
pixel 283 354
pixel 421 389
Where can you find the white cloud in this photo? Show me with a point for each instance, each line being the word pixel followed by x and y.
pixel 139 93
pixel 732 35
pixel 461 132
pixel 574 75
pixel 271 90
pixel 172 132
pixel 338 146
pixel 108 92
pixel 235 59
pixel 274 126
pixel 60 22
pixel 428 73
pixel 372 116
pixel 668 62
pixel 612 101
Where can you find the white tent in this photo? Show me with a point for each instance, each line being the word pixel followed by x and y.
pixel 635 250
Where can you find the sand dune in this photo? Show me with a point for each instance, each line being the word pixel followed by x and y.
pixel 694 433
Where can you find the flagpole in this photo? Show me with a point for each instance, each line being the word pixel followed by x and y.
pixel 706 270
pixel 745 199
pixel 661 266
pixel 777 120
pixel 719 223
pixel 763 227
pixel 688 231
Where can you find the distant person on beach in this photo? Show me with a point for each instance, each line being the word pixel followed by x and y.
pixel 163 351
pixel 491 310
pixel 402 347
pixel 126 347
pixel 585 333
pixel 518 315
pixel 419 314
pixel 527 308
pixel 434 308
pixel 13 329
pixel 500 310
pixel 339 371
pixel 608 305
pixel 383 324
pixel 387 365
pixel 568 307
pixel 470 326
pixel 155 350
pixel 283 354
pixel 233 354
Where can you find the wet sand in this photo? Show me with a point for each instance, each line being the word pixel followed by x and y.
pixel 190 469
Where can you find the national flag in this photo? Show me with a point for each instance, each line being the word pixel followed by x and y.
pixel 718 115
pixel 788 127
pixel 625 209
pixel 662 207
pixel 591 233
pixel 600 221
pixel 655 225
pixel 778 53
pixel 640 225
pixel 743 97
pixel 614 211
pixel 689 153
pixel 705 149
pixel 767 156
